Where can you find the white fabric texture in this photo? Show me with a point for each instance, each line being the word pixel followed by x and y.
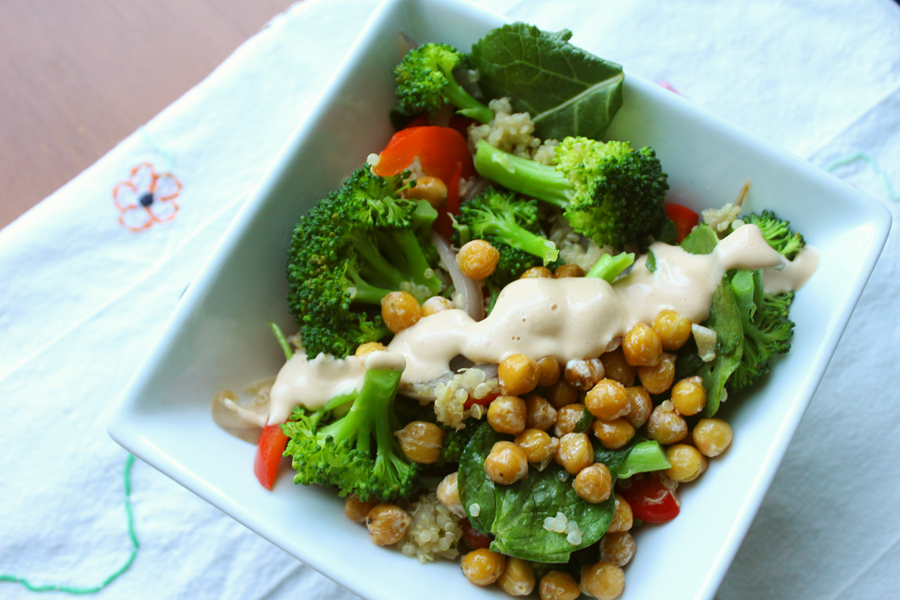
pixel 83 298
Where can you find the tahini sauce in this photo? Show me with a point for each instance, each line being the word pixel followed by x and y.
pixel 576 317
pixel 569 318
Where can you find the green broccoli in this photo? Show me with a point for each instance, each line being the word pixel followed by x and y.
pixel 777 233
pixel 455 441
pixel 341 452
pixel 766 327
pixel 425 81
pixel 609 267
pixel 505 220
pixel 354 247
pixel 608 191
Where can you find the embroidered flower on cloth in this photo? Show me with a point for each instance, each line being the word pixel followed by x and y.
pixel 146 198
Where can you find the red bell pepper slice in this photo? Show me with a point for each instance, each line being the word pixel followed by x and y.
pixel 651 501
pixel 439 149
pixel 272 443
pixel 684 218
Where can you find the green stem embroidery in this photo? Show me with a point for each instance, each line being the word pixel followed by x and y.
pixel 129 462
pixel 885 180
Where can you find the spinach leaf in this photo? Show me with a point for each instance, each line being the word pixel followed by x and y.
pixel 475 487
pixel 584 423
pixel 515 513
pixel 667 233
pixel 650 263
pixel 702 240
pixel 567 91
pixel 725 319
pixel 639 456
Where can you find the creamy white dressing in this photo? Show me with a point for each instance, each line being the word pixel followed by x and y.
pixel 312 383
pixel 570 318
pixel 577 317
pixel 794 275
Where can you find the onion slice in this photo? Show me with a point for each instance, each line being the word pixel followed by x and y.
pixel 468 287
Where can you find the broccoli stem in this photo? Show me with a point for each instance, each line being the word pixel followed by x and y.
pixel 522 239
pixel 609 266
pixel 282 341
pixel 467 105
pixel 522 175
pixel 366 292
pixel 404 248
pixel 369 412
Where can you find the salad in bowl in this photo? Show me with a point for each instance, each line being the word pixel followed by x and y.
pixel 511 348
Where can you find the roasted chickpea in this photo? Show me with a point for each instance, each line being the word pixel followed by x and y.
pixel 369 348
pixel 567 418
pixel 665 425
pixel 613 434
pixel 549 371
pixel 658 378
pixel 712 436
pixel 537 273
pixel 557 585
pixel 400 310
pixel 483 567
pixel 357 510
pixel 506 414
pixel 687 463
pixel 517 578
pixel 617 548
pixel 518 374
pixel 448 494
pixel 673 329
pixel 584 374
pixel 593 484
pixel 575 452
pixel 689 396
pixel 539 414
pixel 623 517
pixel 421 442
pixel 506 463
pixel 387 523
pixel 608 400
pixel 561 394
pixel 436 304
pixel 641 405
pixel 604 581
pixel 432 189
pixel 641 346
pixel 477 259
pixel 537 444
pixel 568 271
pixel 617 368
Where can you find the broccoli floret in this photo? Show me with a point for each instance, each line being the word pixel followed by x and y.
pixel 425 82
pixel 341 452
pixel 455 441
pixel 505 220
pixel 608 191
pixel 354 247
pixel 766 326
pixel 777 233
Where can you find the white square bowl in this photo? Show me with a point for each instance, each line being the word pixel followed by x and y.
pixel 218 339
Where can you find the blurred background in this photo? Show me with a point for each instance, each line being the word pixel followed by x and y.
pixel 78 77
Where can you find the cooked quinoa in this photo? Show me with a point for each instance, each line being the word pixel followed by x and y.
pixel 434 531
pixel 512 132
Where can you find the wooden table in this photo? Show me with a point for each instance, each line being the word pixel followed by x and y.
pixel 77 77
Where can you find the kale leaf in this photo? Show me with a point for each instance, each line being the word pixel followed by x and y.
pixel 567 91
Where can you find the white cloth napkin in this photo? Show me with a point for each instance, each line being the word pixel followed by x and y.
pixel 83 297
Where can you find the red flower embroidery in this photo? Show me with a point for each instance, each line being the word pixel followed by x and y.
pixel 146 197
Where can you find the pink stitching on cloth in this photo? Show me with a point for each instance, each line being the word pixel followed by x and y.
pixel 146 198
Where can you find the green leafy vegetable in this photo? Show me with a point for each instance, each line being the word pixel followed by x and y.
pixel 584 423
pixel 640 456
pixel 725 320
pixel 515 513
pixel 567 91
pixel 651 261
pixel 702 240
